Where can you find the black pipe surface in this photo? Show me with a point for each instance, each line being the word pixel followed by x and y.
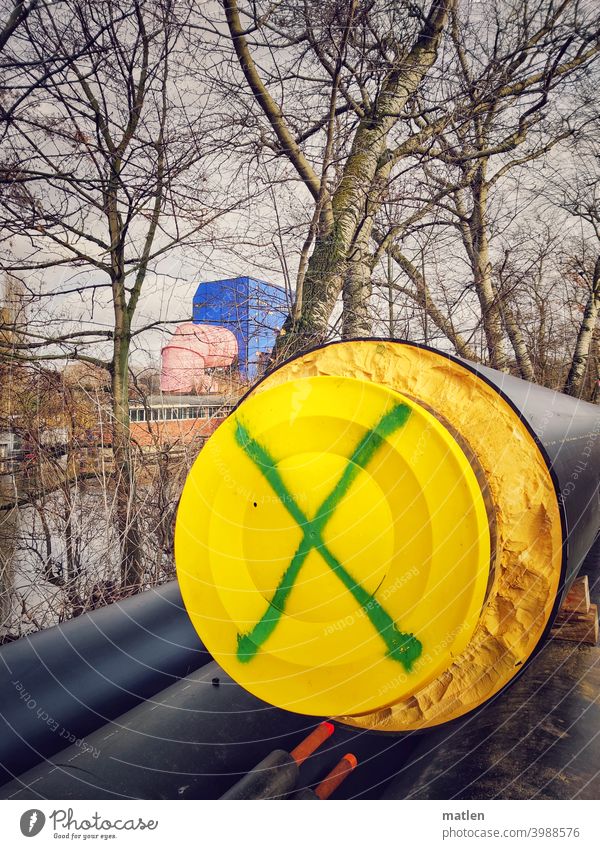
pixel 195 740
pixel 568 431
pixel 62 683
pixel 537 740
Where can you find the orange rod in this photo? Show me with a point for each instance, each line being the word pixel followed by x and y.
pixel 332 781
pixel 311 743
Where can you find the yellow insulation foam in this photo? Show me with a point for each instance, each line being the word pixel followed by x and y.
pixel 528 536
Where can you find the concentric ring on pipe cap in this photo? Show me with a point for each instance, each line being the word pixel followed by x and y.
pixel 332 546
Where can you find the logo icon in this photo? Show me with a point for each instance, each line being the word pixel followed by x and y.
pixel 32 822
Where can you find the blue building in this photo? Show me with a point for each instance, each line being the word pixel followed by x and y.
pixel 252 309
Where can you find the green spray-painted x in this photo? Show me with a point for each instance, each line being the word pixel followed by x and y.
pixel 404 648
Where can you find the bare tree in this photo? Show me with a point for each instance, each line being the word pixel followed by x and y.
pixel 580 197
pixel 399 139
pixel 18 13
pixel 508 76
pixel 357 62
pixel 104 176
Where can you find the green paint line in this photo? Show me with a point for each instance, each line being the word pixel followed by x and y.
pixel 249 644
pixel 364 451
pixel 268 467
pixel 404 648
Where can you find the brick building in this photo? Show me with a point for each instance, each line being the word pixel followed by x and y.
pixel 163 420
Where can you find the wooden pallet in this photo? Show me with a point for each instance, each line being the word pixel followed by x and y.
pixel 577 619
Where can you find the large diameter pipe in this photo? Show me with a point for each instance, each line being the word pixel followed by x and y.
pixel 62 683
pixel 568 432
pixel 481 508
pixel 193 740
pixel 538 740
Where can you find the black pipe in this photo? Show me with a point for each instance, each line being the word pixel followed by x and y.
pixel 568 432
pixel 62 683
pixel 194 741
pixel 539 739
pixel 276 775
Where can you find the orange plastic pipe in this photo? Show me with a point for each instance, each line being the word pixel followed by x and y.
pixel 332 781
pixel 311 743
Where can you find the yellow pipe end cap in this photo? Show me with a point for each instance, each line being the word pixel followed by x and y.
pixel 332 546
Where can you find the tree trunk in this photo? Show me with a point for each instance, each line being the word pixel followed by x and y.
pixel 356 199
pixel 574 381
pixel 338 255
pixel 356 293
pixel 132 568
pixel 482 273
pixel 524 363
pixel 357 287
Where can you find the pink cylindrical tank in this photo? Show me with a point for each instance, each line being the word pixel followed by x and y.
pixel 193 349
